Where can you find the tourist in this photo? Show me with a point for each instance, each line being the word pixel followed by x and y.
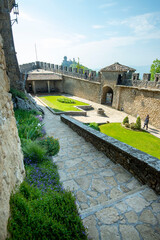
pixel 85 75
pixel 146 121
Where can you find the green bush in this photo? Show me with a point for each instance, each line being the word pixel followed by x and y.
pixel 28 124
pixel 35 152
pixel 51 144
pixel 138 123
pixel 94 126
pixel 127 125
pixel 52 215
pixel 133 126
pixel 17 93
pixel 125 120
pixel 66 100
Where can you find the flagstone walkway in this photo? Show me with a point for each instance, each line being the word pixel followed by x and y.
pixel 112 203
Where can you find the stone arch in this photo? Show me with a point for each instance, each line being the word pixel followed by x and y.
pixel 107 95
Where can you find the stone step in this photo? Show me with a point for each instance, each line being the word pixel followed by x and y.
pixel 110 203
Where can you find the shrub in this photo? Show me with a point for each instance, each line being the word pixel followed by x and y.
pixel 66 100
pixel 94 126
pixel 28 125
pixel 46 216
pixel 125 120
pixel 17 93
pixel 51 144
pixel 133 126
pixel 138 123
pixel 127 125
pixel 35 152
pixel 44 176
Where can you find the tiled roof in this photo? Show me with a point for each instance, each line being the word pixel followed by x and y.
pixel 43 77
pixel 117 67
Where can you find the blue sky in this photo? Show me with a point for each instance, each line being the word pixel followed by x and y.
pixel 99 32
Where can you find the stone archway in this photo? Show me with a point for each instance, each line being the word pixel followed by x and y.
pixel 107 95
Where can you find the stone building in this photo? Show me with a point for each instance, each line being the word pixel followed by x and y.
pixel 115 74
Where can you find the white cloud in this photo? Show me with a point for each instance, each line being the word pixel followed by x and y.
pixel 27 17
pixel 98 26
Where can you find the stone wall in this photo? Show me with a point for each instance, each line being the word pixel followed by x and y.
pixel 143 166
pixel 11 158
pixel 135 101
pixel 9 49
pixel 82 88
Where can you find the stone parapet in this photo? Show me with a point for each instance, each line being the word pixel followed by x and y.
pixel 143 166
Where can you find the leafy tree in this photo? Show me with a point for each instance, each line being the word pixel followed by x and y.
pixel 155 68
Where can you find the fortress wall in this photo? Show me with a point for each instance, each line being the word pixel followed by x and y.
pixel 11 158
pixel 142 102
pixel 8 45
pixel 82 88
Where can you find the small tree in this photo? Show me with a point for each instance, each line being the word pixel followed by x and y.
pixel 138 123
pixel 125 120
pixel 155 68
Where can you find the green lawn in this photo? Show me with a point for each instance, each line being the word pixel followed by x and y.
pixel 141 140
pixel 57 106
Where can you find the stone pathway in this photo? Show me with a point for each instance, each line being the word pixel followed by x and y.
pixel 112 203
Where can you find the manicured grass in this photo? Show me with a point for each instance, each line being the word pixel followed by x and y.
pixel 141 140
pixel 57 106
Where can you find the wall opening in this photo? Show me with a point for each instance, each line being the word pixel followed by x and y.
pixel 107 96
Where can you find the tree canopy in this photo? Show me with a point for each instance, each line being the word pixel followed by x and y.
pixel 155 68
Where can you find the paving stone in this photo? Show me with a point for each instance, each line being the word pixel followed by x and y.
pixel 98 185
pixel 71 184
pixel 108 215
pixel 92 193
pixel 137 203
pixel 84 182
pixel 133 184
pixel 148 217
pixel 110 181
pixel 149 195
pixel 147 232
pixel 107 173
pixel 84 206
pixel 115 193
pixel 131 217
pixel 102 198
pixel 90 223
pixel 123 177
pixel 93 202
pixel 129 232
pixel 81 197
pixel 122 207
pixel 109 233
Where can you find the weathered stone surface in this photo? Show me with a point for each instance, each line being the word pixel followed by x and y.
pixel 149 195
pixel 84 182
pixel 115 193
pixel 129 233
pixel 123 177
pixel 122 207
pixel 110 181
pixel 11 158
pixel 148 217
pixel 156 207
pixel 98 185
pixel 109 233
pixel 90 223
pixel 137 203
pixel 108 215
pixel 81 197
pixel 71 185
pixel 131 217
pixel 147 232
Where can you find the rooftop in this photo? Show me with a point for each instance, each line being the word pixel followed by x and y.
pixel 117 67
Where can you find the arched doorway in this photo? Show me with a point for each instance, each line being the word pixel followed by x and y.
pixel 107 96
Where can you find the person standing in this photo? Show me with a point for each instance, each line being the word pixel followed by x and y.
pixel 146 121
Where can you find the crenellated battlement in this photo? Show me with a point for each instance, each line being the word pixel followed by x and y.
pixel 90 75
pixel 127 80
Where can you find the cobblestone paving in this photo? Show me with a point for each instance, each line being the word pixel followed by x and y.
pixel 112 203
